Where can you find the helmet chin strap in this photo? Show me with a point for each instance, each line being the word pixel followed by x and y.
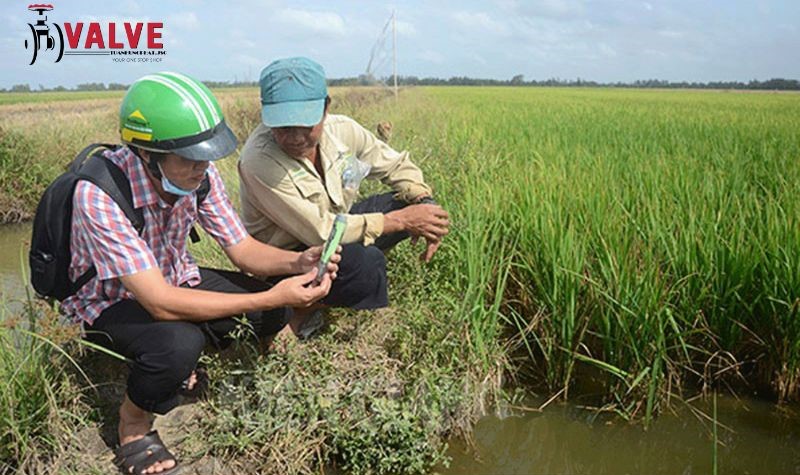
pixel 150 163
pixel 154 168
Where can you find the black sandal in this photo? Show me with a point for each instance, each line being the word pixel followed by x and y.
pixel 200 389
pixel 142 454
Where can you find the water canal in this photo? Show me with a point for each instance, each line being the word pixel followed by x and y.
pixel 755 437
pixel 14 244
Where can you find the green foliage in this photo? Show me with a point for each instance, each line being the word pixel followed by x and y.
pixel 650 235
pixel 38 397
pixel 25 97
pixel 344 398
pixel 20 180
pixel 388 438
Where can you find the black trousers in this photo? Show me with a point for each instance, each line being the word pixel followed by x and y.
pixel 163 354
pixel 361 281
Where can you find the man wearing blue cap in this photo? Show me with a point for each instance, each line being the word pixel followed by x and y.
pixel 301 167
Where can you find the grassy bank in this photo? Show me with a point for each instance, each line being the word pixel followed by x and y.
pixel 40 399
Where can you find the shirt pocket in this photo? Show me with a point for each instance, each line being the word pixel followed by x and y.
pixel 348 195
pixel 308 187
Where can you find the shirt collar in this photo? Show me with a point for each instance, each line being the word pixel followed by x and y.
pixel 142 189
pixel 330 147
pixel 330 144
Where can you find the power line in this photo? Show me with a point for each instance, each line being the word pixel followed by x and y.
pixel 380 56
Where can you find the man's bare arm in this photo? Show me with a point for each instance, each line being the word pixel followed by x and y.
pixel 167 302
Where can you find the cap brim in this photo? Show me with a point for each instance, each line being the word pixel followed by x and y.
pixel 220 145
pixel 293 114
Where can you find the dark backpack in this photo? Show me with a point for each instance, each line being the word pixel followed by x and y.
pixel 50 255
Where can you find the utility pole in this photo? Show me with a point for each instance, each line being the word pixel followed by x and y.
pixel 394 50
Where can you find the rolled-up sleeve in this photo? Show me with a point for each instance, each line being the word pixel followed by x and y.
pixel 391 167
pixel 216 213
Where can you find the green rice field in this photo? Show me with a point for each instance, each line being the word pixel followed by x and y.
pixel 651 236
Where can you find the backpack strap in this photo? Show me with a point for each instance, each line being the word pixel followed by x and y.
pixel 109 178
pixel 113 181
pixel 77 162
pixel 202 193
pixel 203 190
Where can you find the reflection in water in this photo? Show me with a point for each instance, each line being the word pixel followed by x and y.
pixel 763 440
pixel 14 245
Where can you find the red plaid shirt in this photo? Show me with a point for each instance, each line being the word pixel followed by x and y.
pixel 102 235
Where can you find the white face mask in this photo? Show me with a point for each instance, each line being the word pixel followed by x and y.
pixel 170 187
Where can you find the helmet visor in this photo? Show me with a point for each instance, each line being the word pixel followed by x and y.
pixel 220 144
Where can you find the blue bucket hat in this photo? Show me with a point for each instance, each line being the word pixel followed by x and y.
pixel 293 93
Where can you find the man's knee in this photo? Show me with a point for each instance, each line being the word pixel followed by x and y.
pixel 175 350
pixel 166 356
pixel 374 258
pixel 189 342
pixel 360 261
pixel 362 281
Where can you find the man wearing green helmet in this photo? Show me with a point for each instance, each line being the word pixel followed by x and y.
pixel 149 301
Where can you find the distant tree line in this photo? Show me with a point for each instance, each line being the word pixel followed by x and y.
pixel 89 86
pixel 776 84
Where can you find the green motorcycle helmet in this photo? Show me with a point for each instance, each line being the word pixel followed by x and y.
pixel 169 112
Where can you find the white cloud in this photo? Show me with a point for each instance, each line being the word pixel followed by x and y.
pixel 173 42
pixel 431 56
pixel 238 39
pixel 559 8
pixel 184 21
pixel 249 60
pixel 480 20
pixel 114 19
pixel 131 7
pixel 607 50
pixel 318 22
pixel 672 34
pixel 479 59
pixel 406 29
pixel 556 9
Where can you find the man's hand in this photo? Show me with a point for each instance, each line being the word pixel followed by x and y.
pixel 429 221
pixel 297 291
pixel 308 259
pixel 430 248
pixel 423 220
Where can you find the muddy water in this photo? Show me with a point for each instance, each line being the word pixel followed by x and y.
pixel 757 438
pixel 14 244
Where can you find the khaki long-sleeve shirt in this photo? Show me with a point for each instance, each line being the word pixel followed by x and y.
pixel 286 203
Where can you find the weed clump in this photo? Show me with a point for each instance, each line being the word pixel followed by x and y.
pixel 39 390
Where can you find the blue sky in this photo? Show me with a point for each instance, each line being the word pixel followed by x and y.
pixel 603 40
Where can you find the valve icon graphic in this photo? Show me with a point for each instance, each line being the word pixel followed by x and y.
pixel 41 32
